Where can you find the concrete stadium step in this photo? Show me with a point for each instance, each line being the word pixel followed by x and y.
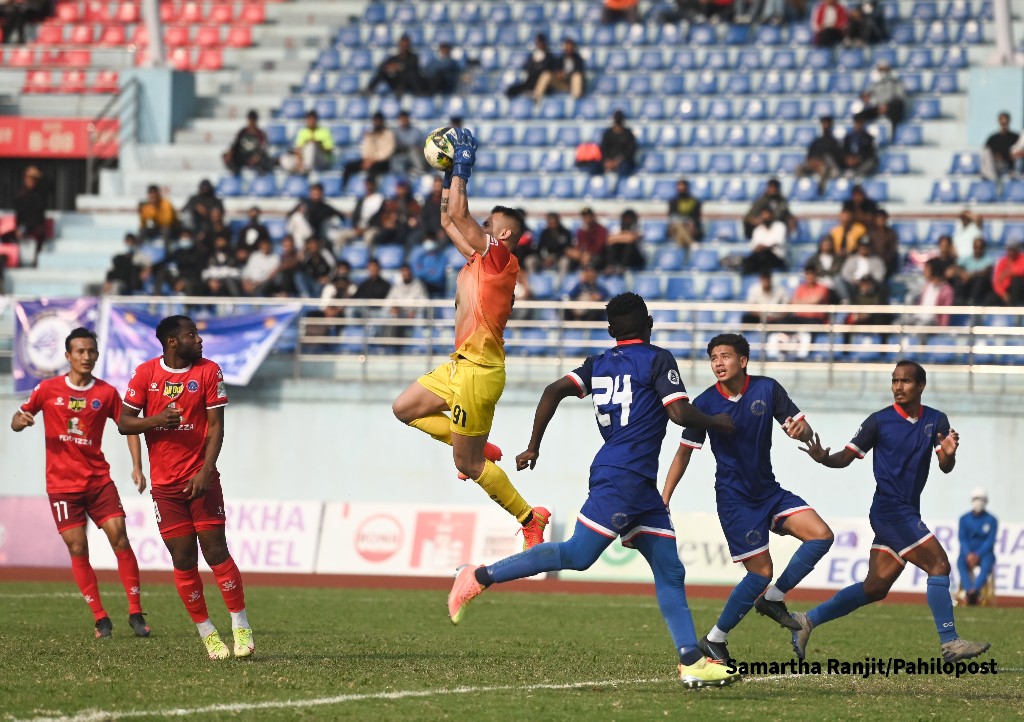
pixel 63 260
pixel 53 282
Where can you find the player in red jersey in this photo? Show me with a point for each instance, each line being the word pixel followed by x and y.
pixel 182 398
pixel 75 409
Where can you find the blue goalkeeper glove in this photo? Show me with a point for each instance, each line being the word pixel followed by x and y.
pixel 446 182
pixel 465 154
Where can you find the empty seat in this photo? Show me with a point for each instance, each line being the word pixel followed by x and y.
pixel 982 191
pixel 647 285
pixel 1013 191
pixel 686 164
pixel 926 109
pixel 704 259
pixel 738 84
pixel 680 288
pixel 688 110
pixel 703 136
pixel 721 163
pixel 72 81
pixel 754 164
pixel 894 163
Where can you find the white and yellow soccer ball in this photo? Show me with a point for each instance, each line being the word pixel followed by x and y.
pixel 439 149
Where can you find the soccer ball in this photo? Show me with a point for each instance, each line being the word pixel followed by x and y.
pixel 439 150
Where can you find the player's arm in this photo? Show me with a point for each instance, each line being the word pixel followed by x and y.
pixel 130 423
pixel 839 460
pixel 683 413
pixel 22 419
pixel 546 407
pixel 472 233
pixel 198 484
pixel 449 227
pixel 135 449
pixel 946 450
pixel 676 470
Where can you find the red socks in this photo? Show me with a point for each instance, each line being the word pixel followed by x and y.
pixel 229 579
pixel 128 570
pixel 85 578
pixel 190 589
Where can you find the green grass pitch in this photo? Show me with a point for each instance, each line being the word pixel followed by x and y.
pixel 393 655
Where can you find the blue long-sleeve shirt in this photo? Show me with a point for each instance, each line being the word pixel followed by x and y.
pixel 978 533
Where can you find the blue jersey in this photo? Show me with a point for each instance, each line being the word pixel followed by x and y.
pixel 744 463
pixel 903 453
pixel 631 385
pixel 978 533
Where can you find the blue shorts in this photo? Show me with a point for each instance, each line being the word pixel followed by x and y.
pixel 746 524
pixel 899 534
pixel 623 503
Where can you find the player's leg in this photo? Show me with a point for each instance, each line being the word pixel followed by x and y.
pixel 423 403
pixel 108 514
pixel 70 516
pixel 579 553
pixel 817 537
pixel 929 556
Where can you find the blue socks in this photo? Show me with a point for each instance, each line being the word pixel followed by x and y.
pixel 845 601
pixel 669 575
pixel 803 561
pixel 941 605
pixel 579 553
pixel 742 600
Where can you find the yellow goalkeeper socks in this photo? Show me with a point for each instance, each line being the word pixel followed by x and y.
pixel 439 426
pixel 496 483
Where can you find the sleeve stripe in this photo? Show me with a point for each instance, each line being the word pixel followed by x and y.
pixel 691 444
pixel 799 416
pixel 853 447
pixel 133 406
pixel 579 383
pixel 672 398
pixel 217 406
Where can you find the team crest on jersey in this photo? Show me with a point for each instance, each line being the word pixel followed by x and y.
pixel 173 389
pixel 193 385
pixel 96 404
pixel 758 407
pixel 619 520
pixel 929 431
pixel 753 537
pixel 76 404
pixel 922 526
pixel 673 377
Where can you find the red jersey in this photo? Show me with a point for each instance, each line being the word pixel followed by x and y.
pixel 176 455
pixel 73 421
pixel 484 293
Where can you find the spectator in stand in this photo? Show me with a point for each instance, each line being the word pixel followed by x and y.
pixel 566 74
pixel 539 61
pixel 408 159
pixel 214 226
pixel 372 288
pixel 430 216
pixel 441 74
pixel 827 263
pixel 261 268
pixel 400 72
pixel 714 10
pixel 618 150
pixel 886 97
pixel 16 14
pixel 860 157
pixel 685 225
pixel 624 245
pixel 861 206
pixel 30 212
pixel 767 246
pixel 199 207
pixel 290 263
pixel 315 270
pixel 365 215
pixel 591 243
pixel 313 149
pixel 773 200
pixel 157 218
pixel 865 262
pixel 973 275
pixel 521 292
pixel 339 288
pixel 250 149
pixel 619 11
pixel 309 218
pixel 824 156
pixel 970 228
pixel 129 271
pixel 253 231
pixel 848 234
pixel 936 292
pixel 407 288
pixel 811 291
pixel 829 21
pixel 996 159
pixel 868 292
pixel 885 240
pixel 387 230
pixel 181 270
pixel 554 241
pixel 762 293
pixel 222 276
pixel 977 533
pixel 376 149
pixel 1008 278
pixel 946 257
pixel 407 211
pixel 589 289
pixel 525 247
pixel 861 28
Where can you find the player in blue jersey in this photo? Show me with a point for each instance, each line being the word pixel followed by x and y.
pixel 903 436
pixel 636 390
pixel 977 535
pixel 750 500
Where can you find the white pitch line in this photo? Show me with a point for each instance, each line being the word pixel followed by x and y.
pixel 99 716
pixel 42 595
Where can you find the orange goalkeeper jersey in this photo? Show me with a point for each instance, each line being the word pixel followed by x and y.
pixel 483 301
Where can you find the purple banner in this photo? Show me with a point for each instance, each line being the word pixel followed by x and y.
pixel 28 536
pixel 40 328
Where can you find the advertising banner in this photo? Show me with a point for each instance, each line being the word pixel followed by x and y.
pixel 237 343
pixel 58 137
pixel 28 536
pixel 40 328
pixel 413 540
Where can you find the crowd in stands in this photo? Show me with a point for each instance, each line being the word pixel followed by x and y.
pixel 16 15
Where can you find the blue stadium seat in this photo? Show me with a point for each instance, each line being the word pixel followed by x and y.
pixel 958 10
pixel 919 59
pixel 564 12
pixel 535 136
pixel 907 231
pixel 736 35
pixel 356 109
pixel 707 83
pixel 567 136
pixel 315 83
pixel 909 135
pixel 703 34
pixel 749 59
pixel 754 164
pixel 772 83
pixel 753 109
pixel 277 133
pixel 704 259
pixel 562 188
pixel 738 84
pixel 631 189
pixel 720 109
pixel 734 191
pixel 655 231
pixel 493 188
pixel 606 85
pixel 346 84
pixel 375 13
pixel 668 259
pixel 737 136
pixel 689 110
pixel 326 108
pixel 486 160
pixel 954 58
pixel 293 108
pixel 851 59
pixel 501 135
pixel 542 285
pixel 807 82
pixel 877 190
pixel 552 161
pixel 926 109
pixel 805 189
pixel 604 36
pixel 839 190
pixel 903 35
pixel 914 83
pixel 357 255
pixel 717 60
pixel 683 60
pixel 552 109
pixel 651 61
pixel 680 288
pixel 924 11
pixel 588 109
pixel 654 162
pixel 936 34
pixel 770 136
pixel 663 190
pixel 673 85
pixel 894 163
pixel 937 229
pixel 866 355
pixel 788 109
pixel 840 84
pixel 818 59
pixel 719 288
pixel 520 109
pixel 617 61
pixel 647 285
pixel 981 191
pixel 701 188
pixel 528 187
pixel 886 54
pixel 1013 232
pixel 263 186
pixel 349 36
pixel 1013 192
pixel 295 186
pixel 786 163
pixel 821 107
pixel 229 186
pixel 640 84
pixel 332 184
pixel 784 59
pixel 944 83
pixel 380 36
pixel 703 136
pixel 596 187
pixel 652 109
pixel 722 163
pixel 971 33
pixel 533 14
pixel 803 135
pixel 770 35
pixel 668 136
pixel 499 14
pixel 686 164
pixel 800 35
pixel 390 255
pixel 517 162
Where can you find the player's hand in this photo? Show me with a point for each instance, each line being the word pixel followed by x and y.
pixel 139 479
pixel 169 418
pixel 198 484
pixel 815 450
pixel 464 153
pixel 973 560
pixel 799 430
pixel 527 459
pixel 723 424
pixel 446 181
pixel 22 419
pixel 949 443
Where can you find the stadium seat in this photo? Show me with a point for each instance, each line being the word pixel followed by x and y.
pixel 722 231
pixel 944 83
pixel 67 13
pixel 663 190
pixel 209 59
pixel 326 108
pixel 651 61
pixel 315 83
pixel 754 164
pixel 617 61
pixel 229 186
pixel 238 37
pixel 981 191
pixel 72 81
pixel 703 34
pixel 803 136
pixel 936 34
pixel 562 188
pixel 263 186
pixel 50 35
pixel 704 260
pixel 707 83
pixel 945 191
pixel 719 288
pixel 907 232
pixel 654 162
pixel 818 59
pixel 673 85
pixel 638 84
pixel 631 189
pixel 737 136
pixel 295 186
pixel 772 83
pixel 807 82
pixel 734 190
pixel 701 188
pixel 720 109
pixel 252 13
pixel 738 84
pixel 686 163
pixel 648 285
pixel 721 163
pixel 105 82
pixel 782 60
pixel 680 288
pixel 683 60
pixel 877 190
pixel 754 109
pixel 567 136
pixel 894 164
pixel 954 58
pixel 909 135
pixel 588 109
pixel 749 59
pixel 517 162
pixel 652 109
pixel 1013 232
pixel 38 81
pixel 1013 192
pixel 655 231
pixel 770 35
pixel 596 187
pixel 971 33
pixel 486 161
pixel 737 35
pixel 717 60
pixel 703 136
pixel 688 110
pixel 938 229
pixel 805 189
